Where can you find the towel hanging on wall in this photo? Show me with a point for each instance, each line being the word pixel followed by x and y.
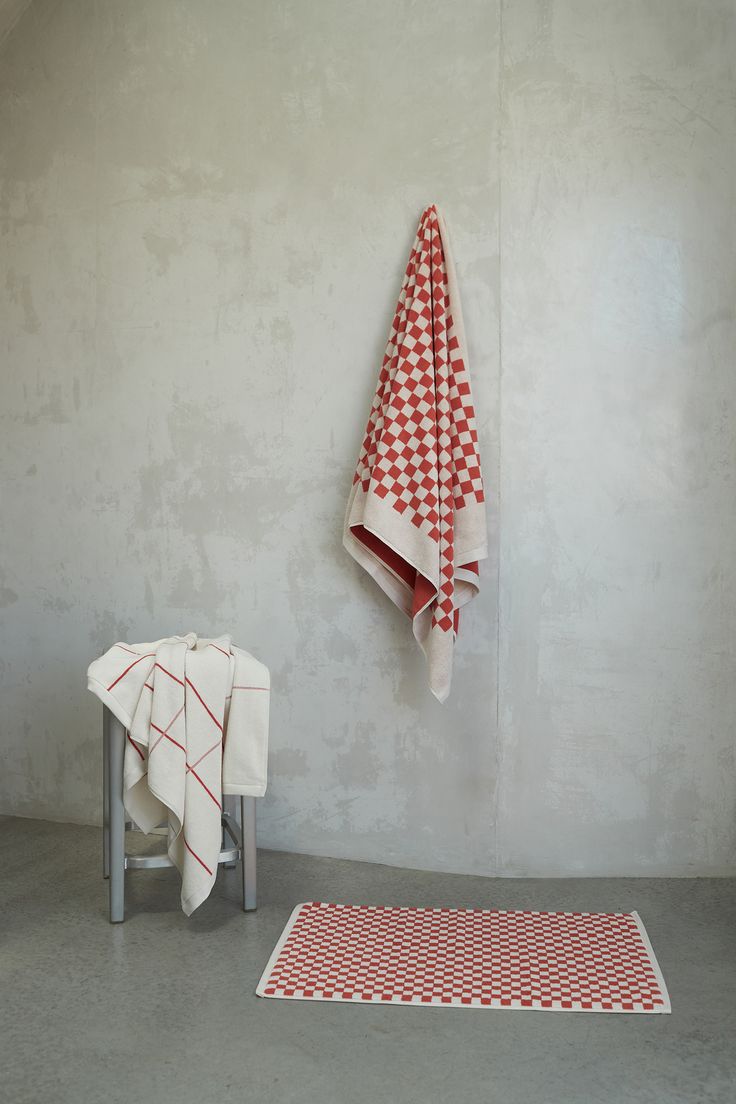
pixel 416 515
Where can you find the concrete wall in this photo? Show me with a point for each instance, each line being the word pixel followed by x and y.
pixel 205 212
pixel 618 438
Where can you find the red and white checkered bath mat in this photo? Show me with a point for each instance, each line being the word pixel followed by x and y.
pixel 466 958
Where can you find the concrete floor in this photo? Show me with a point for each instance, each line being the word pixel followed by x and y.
pixel 162 1009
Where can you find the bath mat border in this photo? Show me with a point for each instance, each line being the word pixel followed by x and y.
pixel 459 1002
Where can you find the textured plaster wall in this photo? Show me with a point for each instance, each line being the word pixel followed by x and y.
pixel 617 703
pixel 10 13
pixel 205 210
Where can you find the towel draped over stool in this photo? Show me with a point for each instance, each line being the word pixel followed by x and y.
pixel 416 516
pixel 196 715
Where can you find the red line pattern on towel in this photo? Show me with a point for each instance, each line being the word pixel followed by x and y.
pixel 164 735
pixel 191 766
pixel 196 856
pixel 191 770
pixel 132 743
pixel 166 672
pixel 182 678
pixel 206 708
pixel 130 667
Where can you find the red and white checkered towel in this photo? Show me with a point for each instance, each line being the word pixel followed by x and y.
pixel 416 516
pixel 196 714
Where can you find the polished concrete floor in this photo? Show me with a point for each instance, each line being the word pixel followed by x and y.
pixel 161 1008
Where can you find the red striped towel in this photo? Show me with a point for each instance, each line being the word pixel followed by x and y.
pixel 196 714
pixel 416 516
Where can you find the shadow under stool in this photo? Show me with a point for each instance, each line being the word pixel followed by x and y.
pixel 238 833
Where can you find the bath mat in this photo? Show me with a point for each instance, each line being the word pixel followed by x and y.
pixel 466 958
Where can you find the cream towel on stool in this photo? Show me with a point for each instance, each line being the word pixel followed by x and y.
pixel 196 715
pixel 416 516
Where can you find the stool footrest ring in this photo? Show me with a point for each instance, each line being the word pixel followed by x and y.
pixel 159 862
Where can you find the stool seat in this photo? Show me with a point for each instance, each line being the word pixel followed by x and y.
pixel 115 861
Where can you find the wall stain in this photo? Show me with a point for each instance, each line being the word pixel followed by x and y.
pixel 163 247
pixel 7 596
pixel 19 291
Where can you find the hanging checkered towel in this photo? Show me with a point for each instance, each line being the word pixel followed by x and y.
pixel 416 519
pixel 196 714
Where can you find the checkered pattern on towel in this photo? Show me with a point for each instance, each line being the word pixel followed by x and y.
pixel 476 958
pixel 416 515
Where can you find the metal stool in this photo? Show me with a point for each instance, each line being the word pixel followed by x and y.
pixel 115 861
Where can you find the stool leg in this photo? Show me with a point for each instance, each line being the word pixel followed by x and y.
pixel 105 792
pixel 225 841
pixel 248 851
pixel 117 821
